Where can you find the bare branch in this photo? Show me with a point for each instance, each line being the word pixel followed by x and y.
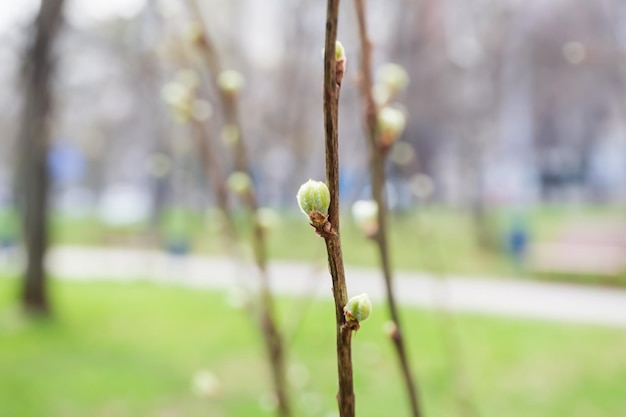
pixel 378 156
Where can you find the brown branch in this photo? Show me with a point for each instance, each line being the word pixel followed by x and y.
pixel 345 396
pixel 378 156
pixel 215 177
pixel 272 336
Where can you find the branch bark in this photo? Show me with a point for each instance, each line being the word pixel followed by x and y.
pixel 34 138
pixel 345 396
pixel 378 179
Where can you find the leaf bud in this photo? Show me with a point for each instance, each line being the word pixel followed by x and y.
pixel 314 196
pixel 230 134
pixel 365 214
pixel 340 60
pixel 239 182
pixel 230 81
pixel 392 76
pixel 391 123
pixel 358 308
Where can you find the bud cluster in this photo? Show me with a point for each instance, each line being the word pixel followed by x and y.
pixel 180 95
pixel 390 80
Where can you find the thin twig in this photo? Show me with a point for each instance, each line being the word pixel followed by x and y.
pixel 215 176
pixel 345 396
pixel 378 156
pixel 272 336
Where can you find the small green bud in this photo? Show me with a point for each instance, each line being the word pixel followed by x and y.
pixel 188 77
pixel 173 92
pixel 365 214
pixel 239 182
pixel 179 97
pixel 358 308
pixel 340 52
pixel 381 94
pixel 267 218
pixel 314 196
pixel 230 134
pixel 342 61
pixel 230 81
pixel 391 123
pixel 392 76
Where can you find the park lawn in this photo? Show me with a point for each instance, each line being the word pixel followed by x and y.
pixel 132 349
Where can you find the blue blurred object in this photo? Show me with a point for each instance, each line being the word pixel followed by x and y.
pixel 176 230
pixel 66 163
pixel 178 246
pixel 517 238
pixel 8 227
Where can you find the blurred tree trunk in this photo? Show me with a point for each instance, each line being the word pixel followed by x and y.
pixel 32 173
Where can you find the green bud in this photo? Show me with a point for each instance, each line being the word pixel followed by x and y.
pixel 391 123
pixel 381 94
pixel 392 76
pixel 391 120
pixel 179 97
pixel 365 215
pixel 267 217
pixel 364 210
pixel 230 81
pixel 341 62
pixel 340 52
pixel 358 308
pixel 230 134
pixel 239 182
pixel 188 77
pixel 314 196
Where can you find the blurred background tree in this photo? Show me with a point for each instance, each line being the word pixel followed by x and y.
pixel 31 177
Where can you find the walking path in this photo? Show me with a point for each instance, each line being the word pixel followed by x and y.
pixel 505 297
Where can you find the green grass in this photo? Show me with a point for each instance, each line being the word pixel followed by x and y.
pixel 131 350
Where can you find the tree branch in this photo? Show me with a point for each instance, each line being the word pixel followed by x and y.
pixel 378 179
pixel 345 396
pixel 229 105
